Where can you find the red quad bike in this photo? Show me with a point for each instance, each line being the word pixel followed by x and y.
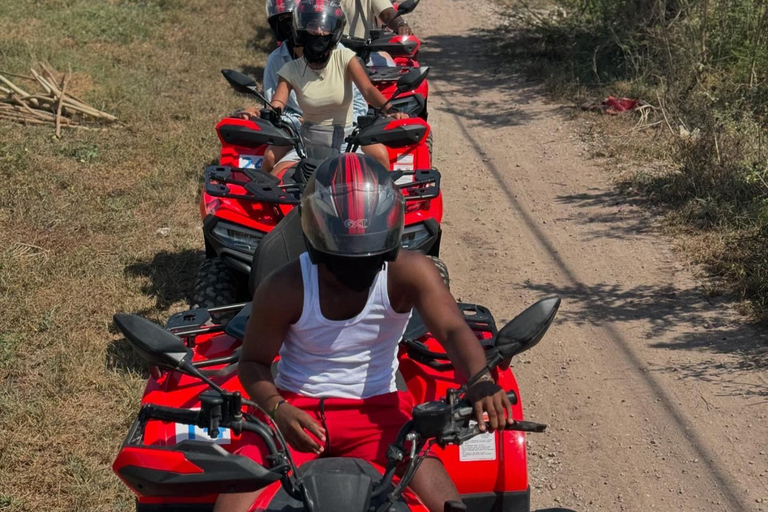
pixel 240 203
pixel 178 454
pixel 404 52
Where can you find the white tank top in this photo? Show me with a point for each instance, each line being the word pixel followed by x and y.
pixel 354 358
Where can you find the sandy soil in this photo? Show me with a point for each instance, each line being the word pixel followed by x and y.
pixel 656 395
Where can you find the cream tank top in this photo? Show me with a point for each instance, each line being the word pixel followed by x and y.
pixel 354 358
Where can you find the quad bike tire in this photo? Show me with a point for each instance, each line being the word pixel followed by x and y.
pixel 430 145
pixel 443 269
pixel 218 284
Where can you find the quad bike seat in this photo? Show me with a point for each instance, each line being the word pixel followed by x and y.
pixel 281 245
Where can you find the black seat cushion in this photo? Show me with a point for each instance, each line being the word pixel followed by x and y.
pixel 281 245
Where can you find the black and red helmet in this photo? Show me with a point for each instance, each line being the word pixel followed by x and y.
pixel 352 208
pixel 319 18
pixel 275 8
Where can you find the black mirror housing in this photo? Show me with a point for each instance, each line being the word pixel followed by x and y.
pixel 407 6
pixel 156 345
pixel 412 79
pixel 239 81
pixel 526 329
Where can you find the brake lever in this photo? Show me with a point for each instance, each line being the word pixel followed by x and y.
pixel 474 430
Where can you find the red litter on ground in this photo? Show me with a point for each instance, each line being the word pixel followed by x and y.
pixel 614 106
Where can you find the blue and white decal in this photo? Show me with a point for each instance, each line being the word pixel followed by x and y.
pixel 250 161
pixel 192 432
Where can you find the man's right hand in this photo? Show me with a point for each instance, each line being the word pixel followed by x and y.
pixel 294 424
pixel 247 113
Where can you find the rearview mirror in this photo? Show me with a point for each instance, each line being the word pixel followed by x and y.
pixel 158 346
pixel 240 82
pixel 407 6
pixel 526 329
pixel 412 79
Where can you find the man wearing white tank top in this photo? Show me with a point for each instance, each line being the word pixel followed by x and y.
pixel 336 315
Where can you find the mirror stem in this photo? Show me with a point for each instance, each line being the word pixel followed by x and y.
pixel 189 368
pixel 493 362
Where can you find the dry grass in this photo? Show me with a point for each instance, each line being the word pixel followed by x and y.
pixel 80 219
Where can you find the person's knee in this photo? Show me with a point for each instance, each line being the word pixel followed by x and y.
pixel 269 159
pixel 379 152
pixel 238 502
pixel 434 486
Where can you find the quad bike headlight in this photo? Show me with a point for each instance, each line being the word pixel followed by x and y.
pixel 414 236
pixel 237 237
pixel 411 105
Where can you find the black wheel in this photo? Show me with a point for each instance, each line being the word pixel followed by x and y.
pixel 218 284
pixel 443 269
pixel 429 147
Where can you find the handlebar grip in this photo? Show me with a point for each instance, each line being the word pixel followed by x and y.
pixel 185 416
pixel 527 426
pixel 464 410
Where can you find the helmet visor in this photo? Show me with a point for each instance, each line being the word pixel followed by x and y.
pixel 361 219
pixel 320 20
pixel 275 7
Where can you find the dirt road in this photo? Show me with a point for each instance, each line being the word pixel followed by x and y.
pixel 656 394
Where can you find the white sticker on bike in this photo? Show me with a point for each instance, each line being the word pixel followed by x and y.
pixel 404 162
pixel 481 447
pixel 192 432
pixel 250 161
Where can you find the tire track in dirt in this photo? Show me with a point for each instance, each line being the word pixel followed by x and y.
pixel 724 480
pixel 639 352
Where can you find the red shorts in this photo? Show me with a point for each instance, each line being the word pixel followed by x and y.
pixel 359 428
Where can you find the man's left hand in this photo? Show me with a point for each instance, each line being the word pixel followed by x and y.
pixel 487 397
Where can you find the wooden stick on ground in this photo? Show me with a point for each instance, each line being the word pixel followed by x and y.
pixel 54 105
pixel 58 107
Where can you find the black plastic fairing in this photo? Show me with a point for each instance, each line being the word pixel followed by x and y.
pixel 399 136
pixel 222 472
pixel 246 137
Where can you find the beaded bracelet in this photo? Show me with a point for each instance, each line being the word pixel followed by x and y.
pixel 274 409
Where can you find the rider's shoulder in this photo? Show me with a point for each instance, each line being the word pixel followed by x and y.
pixel 283 282
pixel 409 264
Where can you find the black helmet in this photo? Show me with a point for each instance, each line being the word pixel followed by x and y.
pixel 351 208
pixel 317 27
pixel 282 30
